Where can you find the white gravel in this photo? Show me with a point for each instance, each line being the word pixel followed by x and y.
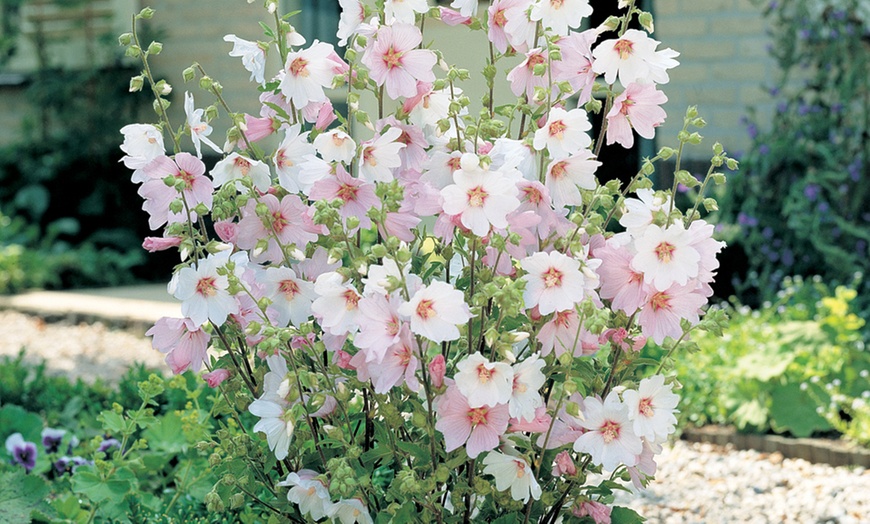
pixel 696 483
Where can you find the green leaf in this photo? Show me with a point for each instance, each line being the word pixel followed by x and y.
pixel 15 419
pixel 751 414
pixel 166 435
pixel 620 515
pixel 510 518
pixel 794 410
pixel 88 483
pixel 21 495
pixel 419 452
pixel 113 422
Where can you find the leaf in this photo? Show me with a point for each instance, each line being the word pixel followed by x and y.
pixel 34 199
pixel 764 364
pixel 620 515
pixel 88 483
pixel 751 413
pixel 794 410
pixel 510 518
pixel 166 435
pixel 113 422
pixel 21 495
pixel 419 452
pixel 15 419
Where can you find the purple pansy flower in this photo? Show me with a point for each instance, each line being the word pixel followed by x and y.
pixel 51 439
pixel 23 452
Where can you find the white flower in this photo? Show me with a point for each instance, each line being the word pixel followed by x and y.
pixel 554 282
pixel 610 440
pixel 559 15
pixel 666 256
pixel 567 176
pixel 275 421
pixel 253 57
pixel 350 511
pixel 634 59
pixel 142 143
pixel 435 311
pixel 352 15
pixel 306 73
pixel 294 149
pixel 526 396
pixel 651 408
pixel 199 130
pixel 564 133
pixel 335 145
pixel 337 304
pixel 203 291
pixel 465 7
pixel 639 211
pixel 404 11
pixel 291 296
pixel 237 167
pixel 481 197
pixel 482 382
pixel 380 155
pixel 514 473
pixel 378 277
pixel 309 493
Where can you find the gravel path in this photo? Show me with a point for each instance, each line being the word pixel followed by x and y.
pixel 696 483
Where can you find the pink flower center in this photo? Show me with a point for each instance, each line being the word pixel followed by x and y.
pixel 403 353
pixel 533 196
pixel 278 222
pixel 645 407
pixel 665 252
pixel 299 67
pixel 404 138
pixel 338 141
pixel 281 160
pixel 347 192
pixel 392 58
pixel 483 374
pixel 660 300
pixel 243 165
pixel 499 19
pixel 521 468
pixel 289 288
pixel 393 327
pixel 626 105
pixel 557 129
pixel 186 177
pixel 351 299
pixel 552 277
pixel 477 415
pixel 206 286
pixel 624 47
pixel 609 431
pixel 563 318
pixel 454 163
pixel 369 156
pixel 534 60
pixel 558 170
pixel 557 4
pixel 519 386
pixel 477 196
pixel 636 278
pixel 425 309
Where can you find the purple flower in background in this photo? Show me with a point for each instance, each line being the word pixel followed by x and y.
pixel 773 5
pixel 51 439
pixel 746 220
pixel 855 170
pixel 23 452
pixel 861 247
pixel 767 232
pixel 804 34
pixel 108 444
pixel 836 107
pixel 69 464
pixel 781 107
pixel 752 130
pixel 811 191
pixel 803 109
pixel 764 149
pixel 787 257
pixel 823 207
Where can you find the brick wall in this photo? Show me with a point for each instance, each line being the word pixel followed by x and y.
pixel 723 66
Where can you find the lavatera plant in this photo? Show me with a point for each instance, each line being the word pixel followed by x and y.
pixel 433 313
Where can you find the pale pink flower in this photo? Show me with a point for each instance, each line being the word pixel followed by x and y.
pixel 519 28
pixel 317 264
pixel 663 310
pixel 395 62
pixel 600 513
pixel 196 187
pixel 539 424
pixel 651 408
pixel 701 235
pixel 253 57
pixel 430 107
pixel 554 282
pixel 514 473
pixel 559 15
pixel 609 438
pixel 284 225
pixel 337 305
pixel 357 195
pixel 379 275
pixel 527 382
pixel 276 421
pixel 199 130
pixel 497 21
pixel 535 198
pixel 400 224
pixel 639 212
pixel 563 464
pixel 352 15
pixel 646 465
pixel 216 378
pixel 478 428
pixel 227 230
pixel 184 342
pixel 619 338
pixel 155 244
pixel 435 311
pixel 507 154
pixel 291 296
pixel 380 155
pixel 313 169
pixel 236 167
pixel 437 368
pixel 290 154
pixel 399 364
pixel 482 382
pixel 575 67
pixel 566 177
pixel 466 7
pixel 413 155
pixel 335 146
pixel 566 428
pixel 404 11
pixel 257 129
pixel 203 291
pixel 451 17
pixel 666 256
pixel 523 78
pixel 142 143
pixel 309 493
pixel 380 325
pixel 306 73
pixel 481 198
pixel 564 134
pixel 634 59
pixel 637 107
pixel 619 282
pixel 320 113
pixel 440 167
pixel 563 334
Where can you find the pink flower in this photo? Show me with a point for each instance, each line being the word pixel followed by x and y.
pixel 633 57
pixel 466 7
pixel 413 155
pixel 437 368
pixel 352 15
pixel 619 282
pixel 663 310
pixel 576 64
pixel 637 107
pixel 380 155
pixel 497 21
pixel 452 17
pixel 283 225
pixel 522 77
pixel 335 146
pixel 142 143
pixel 183 340
pixel 539 424
pixel 519 28
pixel 291 296
pixel 563 334
pixel 399 364
pixel 357 195
pixel 396 63
pixel 257 129
pixel 227 230
pixel 566 177
pixel 400 225
pixel 564 465
pixel 203 291
pixel 306 73
pixel 290 154
pixel 599 512
pixel 216 377
pixel 435 311
pixel 651 408
pixel 236 167
pixel 609 439
pixel 379 325
pixel 482 382
pixel 666 256
pixel 527 382
pixel 481 198
pixel 337 305
pixel 187 170
pixel 553 282
pixel 155 244
pixel 564 133
pixel 478 428
pixel 321 114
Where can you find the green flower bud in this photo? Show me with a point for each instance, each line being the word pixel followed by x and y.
pixel 145 14
pixel 188 74
pixel 125 39
pixel 154 48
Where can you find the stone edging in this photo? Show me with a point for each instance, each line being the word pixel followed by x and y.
pixel 826 451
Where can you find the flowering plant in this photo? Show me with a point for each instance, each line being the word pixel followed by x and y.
pixel 427 313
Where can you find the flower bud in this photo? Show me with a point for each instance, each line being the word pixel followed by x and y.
pixel 646 21
pixel 136 83
pixel 125 39
pixel 145 14
pixel 188 74
pixel 154 48
pixel 437 369
pixel 564 465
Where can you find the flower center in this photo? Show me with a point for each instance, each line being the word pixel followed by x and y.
pixel 425 309
pixel 206 286
pixel 186 177
pixel 242 165
pixel 645 407
pixel 665 252
pixel 393 327
pixel 484 374
pixel 299 67
pixel 338 141
pixel 403 353
pixel 393 58
pixel 499 19
pixel 519 385
pixel 624 47
pixel 558 170
pixel 563 318
pixel 477 415
pixel 289 288
pixel 626 105
pixel 659 301
pixel 557 129
pixel 534 60
pixel 477 196
pixel 454 163
pixel 404 138
pixel 533 196
pixel 347 192
pixel 369 156
pixel 351 299
pixel 609 431
pixel 281 159
pixel 552 277
pixel 279 222
pixel 521 468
